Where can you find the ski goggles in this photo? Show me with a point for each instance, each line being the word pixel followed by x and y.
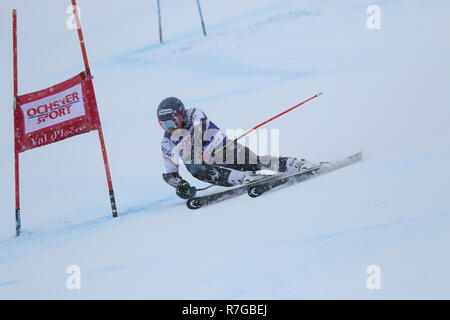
pixel 171 123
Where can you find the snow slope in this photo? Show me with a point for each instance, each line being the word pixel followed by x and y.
pixel 385 94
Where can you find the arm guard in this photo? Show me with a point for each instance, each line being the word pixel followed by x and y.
pixel 172 178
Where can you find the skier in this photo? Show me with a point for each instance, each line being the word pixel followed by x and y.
pixel 210 161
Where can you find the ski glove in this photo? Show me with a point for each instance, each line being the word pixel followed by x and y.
pixel 185 191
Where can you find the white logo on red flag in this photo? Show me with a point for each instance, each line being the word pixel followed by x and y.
pixel 51 110
pixel 62 111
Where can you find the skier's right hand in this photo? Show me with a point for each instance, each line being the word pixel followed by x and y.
pixel 184 190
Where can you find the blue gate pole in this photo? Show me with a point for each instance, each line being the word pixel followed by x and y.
pixel 159 20
pixel 201 17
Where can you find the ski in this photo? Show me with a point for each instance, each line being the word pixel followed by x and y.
pixel 201 201
pixel 258 188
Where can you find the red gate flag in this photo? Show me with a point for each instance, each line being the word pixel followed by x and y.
pixel 56 113
pixel 62 111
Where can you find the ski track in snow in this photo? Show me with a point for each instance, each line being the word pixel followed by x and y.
pixel 61 234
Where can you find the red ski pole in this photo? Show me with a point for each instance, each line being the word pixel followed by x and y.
pixel 263 123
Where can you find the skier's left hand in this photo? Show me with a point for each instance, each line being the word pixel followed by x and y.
pixel 185 191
